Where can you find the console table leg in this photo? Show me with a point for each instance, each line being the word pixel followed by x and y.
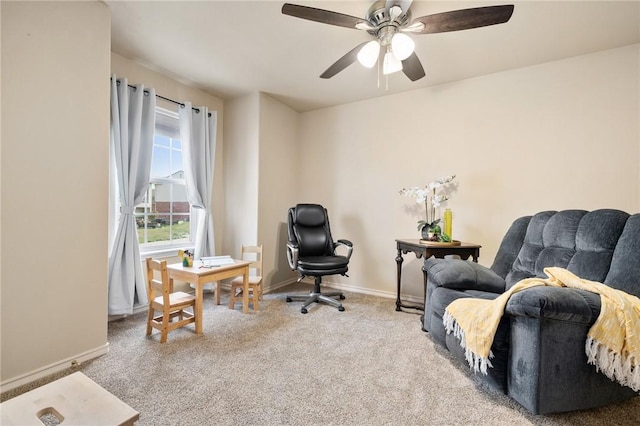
pixel 399 260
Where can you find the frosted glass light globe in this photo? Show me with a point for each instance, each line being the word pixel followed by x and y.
pixel 368 55
pixel 391 64
pixel 402 46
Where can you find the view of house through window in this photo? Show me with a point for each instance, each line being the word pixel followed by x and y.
pixel 164 217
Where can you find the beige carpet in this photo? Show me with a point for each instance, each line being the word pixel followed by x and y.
pixel 369 365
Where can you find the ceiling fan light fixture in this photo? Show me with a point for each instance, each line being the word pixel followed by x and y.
pixel 402 46
pixel 368 55
pixel 389 21
pixel 394 12
pixel 391 64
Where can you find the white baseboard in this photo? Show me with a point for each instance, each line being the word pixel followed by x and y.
pixel 53 368
pixel 351 288
pixel 275 286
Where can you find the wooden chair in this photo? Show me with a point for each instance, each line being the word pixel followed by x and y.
pixel 171 304
pixel 254 254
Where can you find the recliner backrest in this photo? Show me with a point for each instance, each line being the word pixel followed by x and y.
pixel 525 263
pixel 597 238
pixel 580 241
pixel 625 265
pixel 510 246
pixel 309 227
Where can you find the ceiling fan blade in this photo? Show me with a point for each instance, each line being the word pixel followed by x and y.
pixel 321 15
pixel 412 68
pixel 343 62
pixel 465 19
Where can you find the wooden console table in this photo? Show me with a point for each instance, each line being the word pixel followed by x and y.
pixel 464 250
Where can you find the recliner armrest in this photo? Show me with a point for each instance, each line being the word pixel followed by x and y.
pixel 348 244
pixel 292 254
pixel 558 303
pixel 462 275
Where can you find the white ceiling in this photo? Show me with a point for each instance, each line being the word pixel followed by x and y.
pixel 232 48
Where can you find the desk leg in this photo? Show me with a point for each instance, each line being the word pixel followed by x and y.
pixel 198 308
pixel 245 291
pixel 399 260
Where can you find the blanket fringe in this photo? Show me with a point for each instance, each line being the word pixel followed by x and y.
pixel 619 367
pixel 476 362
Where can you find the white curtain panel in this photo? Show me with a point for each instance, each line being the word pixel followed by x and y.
pixel 132 129
pixel 198 136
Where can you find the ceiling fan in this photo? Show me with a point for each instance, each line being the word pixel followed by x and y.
pixel 389 22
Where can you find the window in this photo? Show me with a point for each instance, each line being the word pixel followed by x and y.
pixel 163 219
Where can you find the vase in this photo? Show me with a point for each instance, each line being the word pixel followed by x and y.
pixel 426 233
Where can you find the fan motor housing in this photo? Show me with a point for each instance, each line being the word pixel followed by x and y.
pixel 378 15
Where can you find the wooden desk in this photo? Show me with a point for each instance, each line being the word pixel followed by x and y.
pixel 200 276
pixel 74 399
pixel 464 250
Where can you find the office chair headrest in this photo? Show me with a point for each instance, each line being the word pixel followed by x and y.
pixel 309 215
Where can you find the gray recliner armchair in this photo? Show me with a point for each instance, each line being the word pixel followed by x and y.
pixel 311 251
pixel 539 348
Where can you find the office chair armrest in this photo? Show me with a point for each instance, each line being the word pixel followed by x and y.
pixel 292 255
pixel 348 244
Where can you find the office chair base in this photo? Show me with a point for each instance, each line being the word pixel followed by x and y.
pixel 316 297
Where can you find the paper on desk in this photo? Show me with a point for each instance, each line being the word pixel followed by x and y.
pixel 214 261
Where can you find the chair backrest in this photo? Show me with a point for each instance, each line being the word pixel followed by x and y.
pixel 309 227
pixel 253 254
pixel 155 285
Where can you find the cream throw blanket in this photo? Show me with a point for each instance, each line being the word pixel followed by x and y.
pixel 613 342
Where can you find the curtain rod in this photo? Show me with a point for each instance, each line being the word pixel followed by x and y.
pixel 146 92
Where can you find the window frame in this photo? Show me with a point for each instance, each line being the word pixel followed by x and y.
pixel 168 247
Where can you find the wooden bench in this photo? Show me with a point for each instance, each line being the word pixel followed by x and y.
pixel 72 400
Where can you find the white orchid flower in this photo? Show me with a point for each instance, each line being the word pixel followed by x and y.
pixel 439 199
pixel 446 179
pixel 428 196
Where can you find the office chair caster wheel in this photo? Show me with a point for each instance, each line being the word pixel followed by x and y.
pixel 288 299
pixel 303 310
pixel 342 297
pixel 341 308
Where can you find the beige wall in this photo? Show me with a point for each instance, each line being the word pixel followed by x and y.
pixel 260 179
pixel 554 136
pixel 55 134
pixel 279 162
pixel 241 173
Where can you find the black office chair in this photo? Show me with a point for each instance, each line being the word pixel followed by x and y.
pixel 311 251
